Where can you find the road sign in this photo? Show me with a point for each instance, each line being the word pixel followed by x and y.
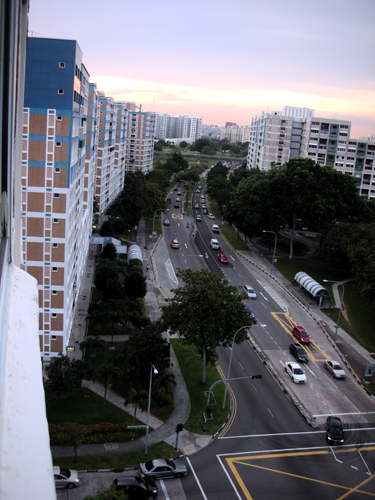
pixel 137 427
pixel 369 370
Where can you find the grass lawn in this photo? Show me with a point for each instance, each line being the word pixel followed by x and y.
pixel 116 460
pixel 191 367
pixel 232 236
pixel 82 407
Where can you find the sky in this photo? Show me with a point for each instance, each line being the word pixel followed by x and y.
pixel 225 60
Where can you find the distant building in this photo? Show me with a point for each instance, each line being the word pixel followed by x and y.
pixel 183 127
pixel 279 136
pixel 235 133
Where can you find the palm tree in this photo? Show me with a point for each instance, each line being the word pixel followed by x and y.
pixel 136 398
pixel 92 343
pixel 107 371
pixel 165 381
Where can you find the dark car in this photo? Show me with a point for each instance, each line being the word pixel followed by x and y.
pixel 179 193
pixel 166 222
pixel 334 430
pixel 176 205
pixel 205 211
pixel 136 487
pixel 299 353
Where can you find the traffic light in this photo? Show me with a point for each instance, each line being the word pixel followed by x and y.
pixel 179 427
pixel 256 376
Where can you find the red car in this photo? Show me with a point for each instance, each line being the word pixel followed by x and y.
pixel 300 334
pixel 223 258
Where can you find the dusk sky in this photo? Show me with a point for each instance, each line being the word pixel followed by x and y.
pixel 225 61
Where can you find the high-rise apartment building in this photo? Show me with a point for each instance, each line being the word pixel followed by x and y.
pixel 140 139
pixel 235 133
pixel 279 136
pixel 25 456
pixel 57 187
pixel 184 127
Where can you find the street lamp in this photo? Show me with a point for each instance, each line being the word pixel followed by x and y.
pixel 153 222
pixel 342 300
pixel 230 359
pixel 153 370
pixel 274 248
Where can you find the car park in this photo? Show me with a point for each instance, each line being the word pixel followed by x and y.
pixel 299 353
pixel 295 372
pixel 215 228
pixel 65 478
pixel 161 468
pixel 249 292
pixel 176 205
pixel 136 487
pixel 211 216
pixel 166 222
pixel 214 244
pixel 334 368
pixel 199 218
pixel 223 258
pixel 175 244
pixel 334 430
pixel 301 335
pixel 196 206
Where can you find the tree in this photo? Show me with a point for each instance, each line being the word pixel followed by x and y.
pixel 65 374
pixel 183 144
pixel 135 285
pixel 165 381
pixel 109 252
pixel 206 312
pixel 108 372
pixel 109 494
pixel 136 398
pixel 92 343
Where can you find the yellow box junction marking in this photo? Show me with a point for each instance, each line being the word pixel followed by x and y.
pixel 232 462
pixel 288 324
pixel 177 216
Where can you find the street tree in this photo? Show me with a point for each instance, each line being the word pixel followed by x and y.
pixel 65 374
pixel 109 252
pixel 183 144
pixel 107 372
pixel 206 311
pixel 94 344
pixel 136 398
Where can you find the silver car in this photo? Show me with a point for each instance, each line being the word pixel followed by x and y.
pixel 65 478
pixel 334 368
pixel 161 468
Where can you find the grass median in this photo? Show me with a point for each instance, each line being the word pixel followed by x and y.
pixel 191 367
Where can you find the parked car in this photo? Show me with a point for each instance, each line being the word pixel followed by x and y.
pixel 215 228
pixel 214 244
pixel 334 430
pixel 301 335
pixel 334 368
pixel 299 353
pixel 295 372
pixel 166 222
pixel 137 487
pixel 199 218
pixel 65 478
pixel 249 292
pixel 176 205
pixel 161 468
pixel 223 258
pixel 175 244
pixel 211 216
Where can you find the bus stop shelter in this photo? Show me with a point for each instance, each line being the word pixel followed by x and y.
pixel 312 287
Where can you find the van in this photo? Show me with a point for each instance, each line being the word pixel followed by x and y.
pixel 214 244
pixel 215 228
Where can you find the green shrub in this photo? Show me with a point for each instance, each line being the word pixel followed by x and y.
pixel 70 433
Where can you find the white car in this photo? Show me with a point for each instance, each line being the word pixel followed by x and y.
pixel 249 292
pixel 215 228
pixel 295 372
pixel 334 368
pixel 65 478
pixel 211 216
pixel 214 244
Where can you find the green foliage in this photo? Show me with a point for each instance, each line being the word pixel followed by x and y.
pixel 205 312
pixel 136 398
pixel 183 144
pixel 65 374
pixel 109 252
pixel 135 284
pixel 205 142
pixel 109 494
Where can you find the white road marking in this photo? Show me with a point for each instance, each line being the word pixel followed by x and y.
pixel 186 246
pixel 161 482
pixel 240 365
pixel 197 480
pixel 171 272
pixel 352 466
pixel 254 387
pixel 231 257
pixel 311 371
pixel 368 470
pixel 351 403
pixel 330 379
pixel 275 297
pixel 260 293
pixel 206 256
pixel 270 412
pixel 229 478
pixel 278 450
pixel 242 436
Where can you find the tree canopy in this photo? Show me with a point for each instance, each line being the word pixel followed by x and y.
pixel 206 312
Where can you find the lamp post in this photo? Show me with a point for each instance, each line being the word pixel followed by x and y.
pixel 341 302
pixel 274 248
pixel 153 221
pixel 153 370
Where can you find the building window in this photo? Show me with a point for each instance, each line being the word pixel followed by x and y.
pixel 58 144
pixel 60 91
pixel 59 118
pixel 54 245
pixel 55 221
pixel 54 315
pixel 54 292
pixel 61 65
pixel 56 195
pixel 54 269
pixel 57 170
pixel 53 337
